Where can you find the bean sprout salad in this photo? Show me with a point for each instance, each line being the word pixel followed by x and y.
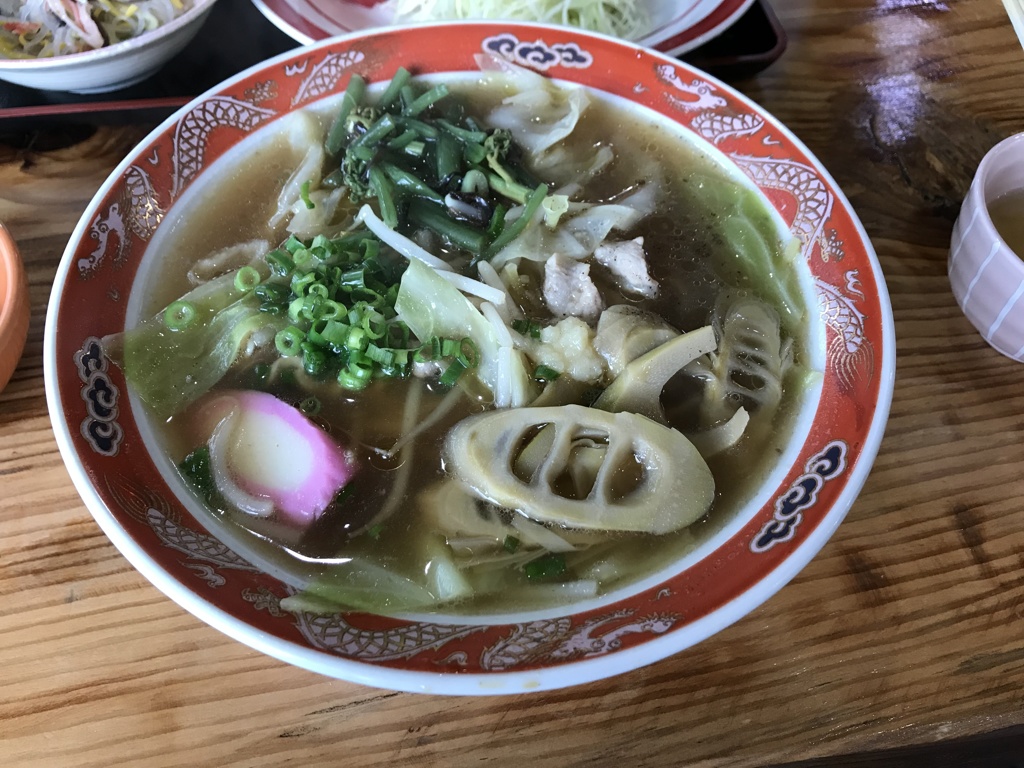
pixel 44 28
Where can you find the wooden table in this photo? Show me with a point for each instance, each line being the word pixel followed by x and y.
pixel 906 631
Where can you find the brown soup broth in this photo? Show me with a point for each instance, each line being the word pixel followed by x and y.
pixel 687 256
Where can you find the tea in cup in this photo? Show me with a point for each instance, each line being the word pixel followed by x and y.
pixel 986 255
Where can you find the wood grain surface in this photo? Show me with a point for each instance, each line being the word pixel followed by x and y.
pixel 906 631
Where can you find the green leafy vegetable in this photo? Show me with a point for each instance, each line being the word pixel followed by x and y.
pixel 179 315
pixel 428 166
pixel 547 567
pixel 197 469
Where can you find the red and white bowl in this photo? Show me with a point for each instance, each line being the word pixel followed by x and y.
pixel 103 439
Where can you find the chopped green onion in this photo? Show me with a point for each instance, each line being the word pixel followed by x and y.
pixel 179 315
pixel 304 195
pixel 468 353
pixel 335 333
pixel 293 244
pixel 403 334
pixel 374 325
pixel 247 278
pixel 300 282
pixel 526 328
pixel 358 373
pixel 396 370
pixel 331 309
pixel 545 373
pixel 357 339
pixel 314 361
pixel 380 355
pixel 452 374
pixel 288 341
pixel 312 305
pixel 354 277
pixel 271 292
pixel 349 381
pixel 431 350
pixel 280 262
pixel 511 544
pixel 545 567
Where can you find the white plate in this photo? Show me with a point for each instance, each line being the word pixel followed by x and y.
pixel 677 25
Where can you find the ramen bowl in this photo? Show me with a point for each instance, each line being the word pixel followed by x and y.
pixel 111 67
pixel 108 442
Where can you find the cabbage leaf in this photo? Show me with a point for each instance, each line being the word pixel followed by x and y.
pixel 431 306
pixel 170 369
pixel 362 586
pixel 748 229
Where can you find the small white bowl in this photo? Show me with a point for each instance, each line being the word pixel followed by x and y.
pixel 115 66
pixel 986 275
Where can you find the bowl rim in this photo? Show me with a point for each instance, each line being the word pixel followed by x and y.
pixel 107 52
pixel 450 681
pixel 978 191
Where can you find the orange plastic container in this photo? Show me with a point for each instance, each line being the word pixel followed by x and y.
pixel 14 309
